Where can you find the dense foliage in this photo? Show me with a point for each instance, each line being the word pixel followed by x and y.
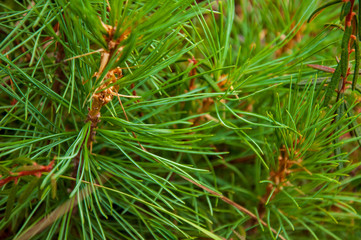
pixel 179 119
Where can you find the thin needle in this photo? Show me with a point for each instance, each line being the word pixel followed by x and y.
pixel 85 54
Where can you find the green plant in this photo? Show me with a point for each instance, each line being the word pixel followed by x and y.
pixel 177 120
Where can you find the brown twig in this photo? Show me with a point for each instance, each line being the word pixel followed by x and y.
pixel 35 170
pixel 193 72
